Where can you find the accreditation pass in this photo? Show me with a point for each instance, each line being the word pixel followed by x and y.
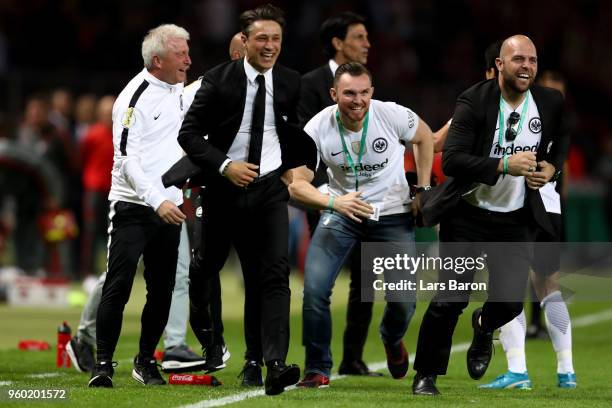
pixel 376 214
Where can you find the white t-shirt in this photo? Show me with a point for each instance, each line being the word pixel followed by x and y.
pixel 189 93
pixel 550 197
pixel 508 194
pixel 381 172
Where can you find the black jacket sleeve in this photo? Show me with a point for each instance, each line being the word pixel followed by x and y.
pixel 309 101
pixel 461 157
pixel 559 150
pixel 197 124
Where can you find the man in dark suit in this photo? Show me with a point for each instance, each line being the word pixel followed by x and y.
pixel 345 39
pixel 498 158
pixel 247 109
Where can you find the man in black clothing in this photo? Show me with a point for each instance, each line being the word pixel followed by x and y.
pixel 247 109
pixel 345 39
pixel 496 171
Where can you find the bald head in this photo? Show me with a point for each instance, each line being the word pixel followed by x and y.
pixel 511 44
pixel 517 64
pixel 236 47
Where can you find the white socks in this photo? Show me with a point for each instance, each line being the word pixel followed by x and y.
pixel 560 330
pixel 512 338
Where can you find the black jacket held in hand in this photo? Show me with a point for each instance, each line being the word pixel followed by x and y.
pixel 217 112
pixel 466 152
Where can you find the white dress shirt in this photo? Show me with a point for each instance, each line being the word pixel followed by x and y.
pixel 333 65
pixel 271 150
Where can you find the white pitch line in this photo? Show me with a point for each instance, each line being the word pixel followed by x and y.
pixel 592 318
pixel 231 399
pixel 380 365
pixel 44 375
pixel 3 383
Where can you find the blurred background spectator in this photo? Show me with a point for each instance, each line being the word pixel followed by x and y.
pixel 424 54
pixel 97 159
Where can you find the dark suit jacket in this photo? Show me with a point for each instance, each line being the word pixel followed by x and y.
pixel 217 112
pixel 314 94
pixel 466 151
pixel 314 97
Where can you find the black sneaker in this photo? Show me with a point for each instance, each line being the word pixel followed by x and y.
pixel 145 371
pixel 102 374
pixel 251 374
pixel 216 356
pixel 180 359
pixel 81 354
pixel 481 350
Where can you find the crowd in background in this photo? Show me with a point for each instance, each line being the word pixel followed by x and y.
pixel 59 59
pixel 55 184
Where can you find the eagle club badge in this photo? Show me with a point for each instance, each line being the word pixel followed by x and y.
pixel 356 146
pixel 128 118
pixel 535 125
pixel 379 145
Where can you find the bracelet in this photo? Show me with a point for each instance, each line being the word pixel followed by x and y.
pixel 505 162
pixel 330 204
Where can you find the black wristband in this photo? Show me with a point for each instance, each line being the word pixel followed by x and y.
pixel 420 189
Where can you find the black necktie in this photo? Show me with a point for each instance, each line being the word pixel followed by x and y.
pixel 257 122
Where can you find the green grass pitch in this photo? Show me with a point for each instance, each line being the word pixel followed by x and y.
pixel 36 370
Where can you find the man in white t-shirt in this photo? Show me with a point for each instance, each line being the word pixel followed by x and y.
pixel 359 139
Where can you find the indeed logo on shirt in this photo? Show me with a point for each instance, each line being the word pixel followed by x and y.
pixel 510 150
pixel 365 167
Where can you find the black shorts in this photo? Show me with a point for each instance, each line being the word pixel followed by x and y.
pixel 547 248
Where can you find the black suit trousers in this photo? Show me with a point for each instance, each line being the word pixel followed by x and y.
pixel 205 319
pixel 470 232
pixel 255 220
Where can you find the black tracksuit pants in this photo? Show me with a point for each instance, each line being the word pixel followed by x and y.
pixel 137 230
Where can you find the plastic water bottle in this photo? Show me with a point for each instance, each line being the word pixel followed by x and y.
pixel 63 337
